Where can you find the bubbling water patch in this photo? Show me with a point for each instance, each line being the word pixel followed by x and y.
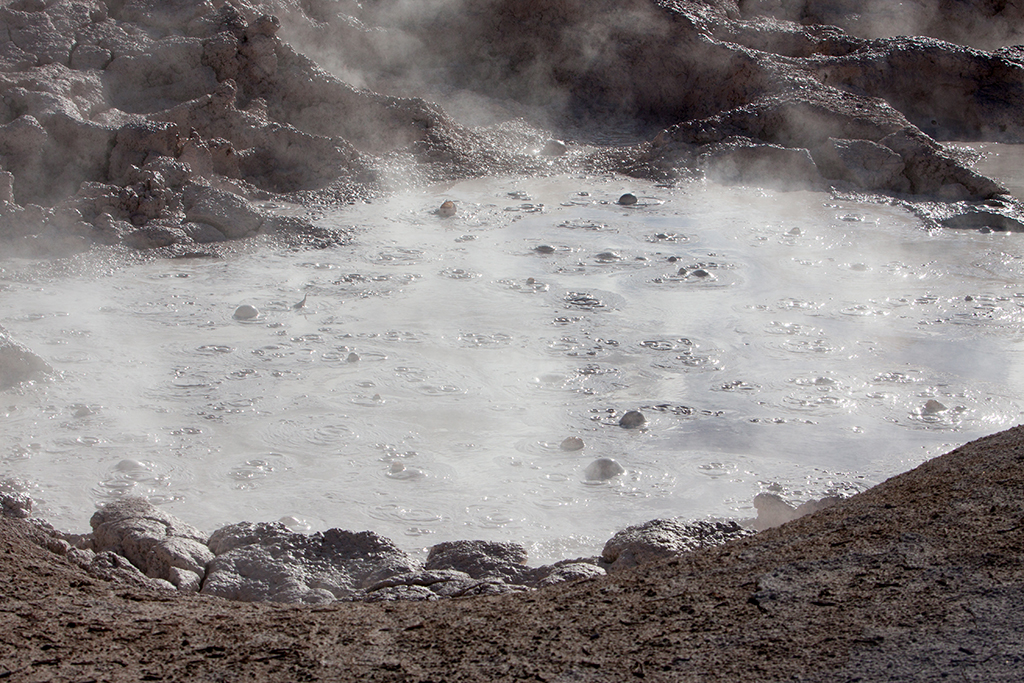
pixel 423 381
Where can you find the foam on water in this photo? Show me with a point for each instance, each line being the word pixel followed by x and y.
pixel 781 341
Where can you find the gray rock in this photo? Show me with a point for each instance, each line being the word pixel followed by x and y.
pixel 257 562
pixel 983 219
pixel 661 538
pixel 978 23
pixel 418 584
pixel 160 545
pixel 155 236
pixel 14 500
pixel 230 214
pixel 202 233
pixel 401 592
pixel 487 560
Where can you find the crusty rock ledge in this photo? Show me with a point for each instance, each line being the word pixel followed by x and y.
pixel 171 126
pixel 920 578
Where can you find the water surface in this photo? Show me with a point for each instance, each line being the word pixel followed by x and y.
pixel 774 341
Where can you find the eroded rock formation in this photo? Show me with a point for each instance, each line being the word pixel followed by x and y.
pixel 135 542
pixel 158 125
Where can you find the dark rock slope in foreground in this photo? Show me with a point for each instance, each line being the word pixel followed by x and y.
pixel 918 579
pixel 165 125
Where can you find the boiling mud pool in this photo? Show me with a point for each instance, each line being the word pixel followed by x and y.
pixel 775 341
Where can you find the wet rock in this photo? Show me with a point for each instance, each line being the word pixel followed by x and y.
pixel 160 545
pixel 983 219
pixel 114 567
pixel 504 562
pixel 18 364
pixel 632 420
pixel 932 171
pixel 265 561
pixel 138 142
pixel 603 469
pixel 661 538
pixel 627 199
pixel 544 249
pixel 232 215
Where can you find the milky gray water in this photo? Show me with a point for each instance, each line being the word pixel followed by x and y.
pixel 774 341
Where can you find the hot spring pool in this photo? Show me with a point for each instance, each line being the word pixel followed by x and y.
pixel 774 341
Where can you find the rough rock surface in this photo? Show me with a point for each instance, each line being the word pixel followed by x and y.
pixel 662 538
pixel 985 24
pixel 500 562
pixel 14 500
pixel 266 561
pixel 160 545
pixel 918 579
pixel 163 126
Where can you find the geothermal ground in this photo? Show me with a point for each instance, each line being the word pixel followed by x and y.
pixel 162 129
pixel 920 578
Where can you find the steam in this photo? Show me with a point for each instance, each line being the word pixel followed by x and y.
pixel 489 62
pixel 986 26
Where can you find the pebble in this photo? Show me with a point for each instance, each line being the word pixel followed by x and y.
pixel 571 443
pixel 246 312
pixel 632 420
pixel 544 249
pixel 603 469
pixel 931 407
pixel 447 209
pixel 352 357
pixel 627 199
